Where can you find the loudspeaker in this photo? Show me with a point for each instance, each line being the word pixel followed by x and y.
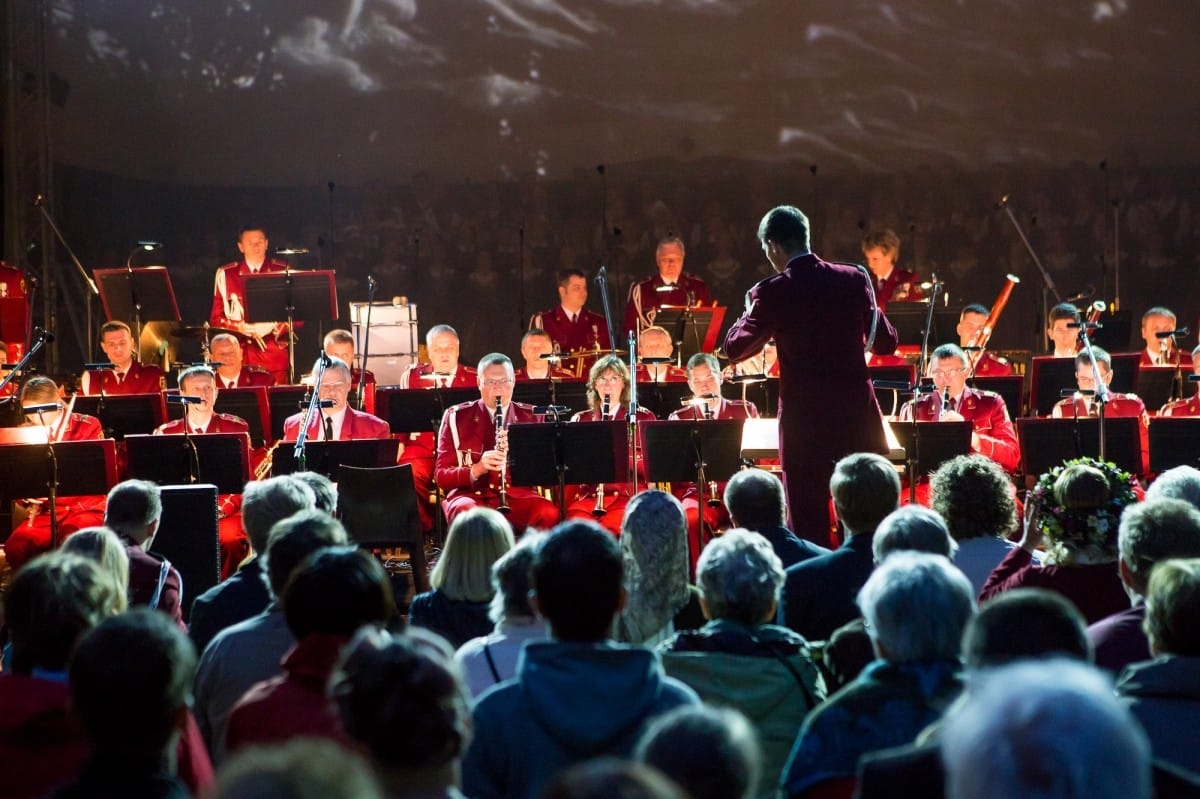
pixel 187 536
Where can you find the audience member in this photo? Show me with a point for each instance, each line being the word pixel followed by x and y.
pixel 977 499
pixel 1150 532
pixel 1164 693
pixel 250 652
pixel 457 606
pixel 739 659
pixel 402 702
pixel 818 594
pixel 575 697
pixel 492 659
pixel 245 594
pixel 916 606
pixel 655 548
pixel 912 528
pixel 612 778
pixel 306 768
pixel 755 501
pixel 1181 482
pixel 1046 729
pixel 132 511
pixel 103 547
pixel 712 753
pixel 324 491
pixel 130 681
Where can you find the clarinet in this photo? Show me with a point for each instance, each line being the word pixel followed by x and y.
pixel 503 506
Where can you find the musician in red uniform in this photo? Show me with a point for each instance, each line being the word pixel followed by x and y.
pixel 892 284
pixel 472 455
pixel 534 344
pixel 970 321
pixel 671 286
pixel 1064 339
pixel 338 422
pixel 1161 351
pixel 340 344
pixel 655 343
pixel 32 536
pixel 226 354
pixel 266 343
pixel 1118 405
pixel 608 398
pixel 1190 406
pixel 993 432
pixel 704 379
pixel 127 375
pixel 569 325
pixel 442 371
pixel 197 420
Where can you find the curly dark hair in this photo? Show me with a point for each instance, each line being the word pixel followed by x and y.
pixel 975 496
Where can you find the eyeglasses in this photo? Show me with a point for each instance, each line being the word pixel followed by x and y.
pixel 947 372
pixel 610 379
pixel 336 386
pixel 497 383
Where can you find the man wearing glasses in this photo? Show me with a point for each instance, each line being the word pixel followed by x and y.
pixel 472 452
pixel 339 422
pixel 993 434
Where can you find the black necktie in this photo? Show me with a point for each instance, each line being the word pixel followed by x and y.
pixel 328 428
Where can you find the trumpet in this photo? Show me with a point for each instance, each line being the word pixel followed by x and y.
pixel 598 508
pixel 502 447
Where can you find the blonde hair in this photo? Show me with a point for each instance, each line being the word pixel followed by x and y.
pixel 476 540
pixel 104 548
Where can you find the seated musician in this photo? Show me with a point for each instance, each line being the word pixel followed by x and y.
pixel 993 432
pixel 571 326
pixel 608 398
pixel 31 537
pixel 1118 406
pixel 127 376
pixel 338 422
pixel 340 344
pixel 704 379
pixel 443 371
pixel 534 344
pixel 198 419
pixel 1064 339
pixel 472 454
pixel 655 343
pixel 1161 351
pixel 970 322
pixel 1191 405
pixel 226 353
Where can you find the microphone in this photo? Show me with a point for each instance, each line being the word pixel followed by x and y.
pixel 602 274
pixel 1003 202
pixel 699 399
pixel 1183 331
pixel 892 385
pixel 325 403
pixel 97 367
pixel 667 287
pixel 553 357
pixel 370 283
pixel 324 360
pixel 185 399
pixel 1088 325
pixel 37 201
pixel 45 407
pixel 45 335
pixel 292 251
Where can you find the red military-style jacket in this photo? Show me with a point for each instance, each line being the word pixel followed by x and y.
pixel 645 299
pixel 987 413
pixel 587 332
pixel 138 379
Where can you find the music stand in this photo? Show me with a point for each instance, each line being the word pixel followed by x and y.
pixel 222 459
pixel 909 320
pixel 692 328
pixel 662 399
pixel 327 457
pixel 1156 384
pixel 571 393
pixel 418 410
pixel 692 450
pixel 1049 375
pixel 137 295
pixel 1174 441
pixel 1046 443
pixel 124 414
pixel 927 445
pixel 295 296
pixel 1011 389
pixel 34 434
pixel 84 467
pixel 562 453
pixel 762 392
pixel 282 402
pixel 906 373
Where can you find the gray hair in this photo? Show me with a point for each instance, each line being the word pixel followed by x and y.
pixel 265 502
pixel 132 506
pixel 1181 482
pixel 1044 730
pixel 511 579
pixel 494 359
pixel 1155 530
pixel 655 552
pixel 437 330
pixel 913 528
pixel 916 606
pixel 740 577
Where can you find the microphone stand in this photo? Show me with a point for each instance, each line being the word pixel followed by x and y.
pixel 134 301
pixel 93 291
pixel 44 337
pixel 362 366
pixel 310 412
pixel 1102 394
pixel 1048 286
pixel 189 444
pixel 934 292
pixel 633 409
pixel 602 282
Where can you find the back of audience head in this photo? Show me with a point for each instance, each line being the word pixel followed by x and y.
pixel 912 528
pixel 1153 531
pixel 133 509
pixel 324 491
pixel 294 539
pixel 510 580
pixel 303 768
pixel 1025 623
pixel 1044 730
pixel 975 497
pixel 610 778
pixel 476 540
pixel 1180 482
pixel 335 591
pixel 50 603
pixel 865 489
pixel 710 752
pixel 755 500
pixel 654 543
pixel 102 546
pixel 402 700
pixel 740 578
pixel 916 606
pixel 265 502
pixel 1173 608
pixel 130 680
pixel 578 581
